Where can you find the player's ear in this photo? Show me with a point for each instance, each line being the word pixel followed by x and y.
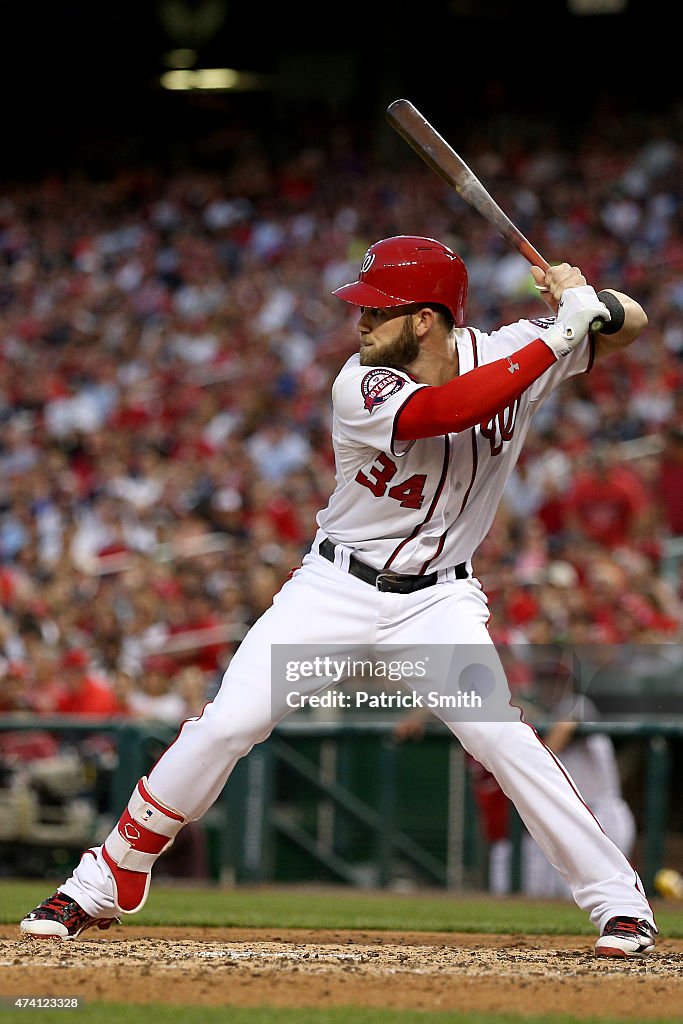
pixel 423 319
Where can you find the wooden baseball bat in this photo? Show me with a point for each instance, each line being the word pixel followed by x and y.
pixel 442 158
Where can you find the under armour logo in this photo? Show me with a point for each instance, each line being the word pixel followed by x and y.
pixel 512 366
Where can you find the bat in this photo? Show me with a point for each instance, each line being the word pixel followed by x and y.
pixel 442 158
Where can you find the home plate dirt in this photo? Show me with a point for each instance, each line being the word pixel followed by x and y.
pixel 407 970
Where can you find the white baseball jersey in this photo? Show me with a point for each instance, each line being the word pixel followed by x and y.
pixel 421 506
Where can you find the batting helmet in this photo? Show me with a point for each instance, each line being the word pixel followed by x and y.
pixel 407 268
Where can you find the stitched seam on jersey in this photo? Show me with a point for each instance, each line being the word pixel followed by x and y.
pixel 432 507
pixel 475 467
pixel 442 539
pixel 475 464
pixel 475 354
pixel 473 435
pixel 439 549
pixel 398 412
pixel 475 359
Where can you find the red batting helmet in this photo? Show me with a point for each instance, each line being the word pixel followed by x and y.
pixel 405 269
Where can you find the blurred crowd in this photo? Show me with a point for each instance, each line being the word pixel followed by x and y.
pixel 167 346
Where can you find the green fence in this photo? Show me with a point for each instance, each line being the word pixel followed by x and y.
pixel 347 803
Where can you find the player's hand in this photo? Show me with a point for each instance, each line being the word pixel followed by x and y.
pixel 577 309
pixel 553 281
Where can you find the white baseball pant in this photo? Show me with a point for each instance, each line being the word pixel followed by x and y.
pixel 321 601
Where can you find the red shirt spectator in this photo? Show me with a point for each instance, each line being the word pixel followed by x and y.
pixel 670 482
pixel 520 607
pixel 605 503
pixel 84 693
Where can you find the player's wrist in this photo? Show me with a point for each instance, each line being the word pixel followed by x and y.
pixel 580 310
pixel 554 338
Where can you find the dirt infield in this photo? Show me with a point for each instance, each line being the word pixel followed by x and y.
pixel 408 970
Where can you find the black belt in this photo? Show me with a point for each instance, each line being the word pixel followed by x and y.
pixel 394 582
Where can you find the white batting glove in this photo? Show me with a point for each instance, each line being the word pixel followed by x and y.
pixel 579 307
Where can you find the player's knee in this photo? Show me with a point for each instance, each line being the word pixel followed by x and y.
pixel 484 740
pixel 234 733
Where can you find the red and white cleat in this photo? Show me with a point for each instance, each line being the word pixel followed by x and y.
pixel 626 936
pixel 60 917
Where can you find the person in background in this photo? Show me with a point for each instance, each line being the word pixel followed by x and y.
pixel 165 692
pixel 592 764
pixel 84 690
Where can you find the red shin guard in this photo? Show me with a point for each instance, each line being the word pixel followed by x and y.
pixel 145 829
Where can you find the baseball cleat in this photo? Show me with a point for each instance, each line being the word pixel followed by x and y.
pixel 60 917
pixel 626 936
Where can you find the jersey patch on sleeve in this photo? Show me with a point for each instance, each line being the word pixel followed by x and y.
pixel 543 321
pixel 379 385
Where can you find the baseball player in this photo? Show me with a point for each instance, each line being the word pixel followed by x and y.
pixel 428 420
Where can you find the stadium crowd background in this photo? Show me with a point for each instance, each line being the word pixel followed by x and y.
pixel 167 346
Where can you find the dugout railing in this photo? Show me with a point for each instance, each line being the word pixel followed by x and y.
pixel 334 802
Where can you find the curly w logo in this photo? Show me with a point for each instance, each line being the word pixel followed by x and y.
pixel 500 428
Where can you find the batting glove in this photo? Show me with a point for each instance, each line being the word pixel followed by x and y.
pixel 578 309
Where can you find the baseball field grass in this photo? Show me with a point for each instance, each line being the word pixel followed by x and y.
pixel 334 955
pixel 344 908
pixel 125 1013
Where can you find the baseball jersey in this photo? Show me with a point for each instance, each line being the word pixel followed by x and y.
pixel 425 505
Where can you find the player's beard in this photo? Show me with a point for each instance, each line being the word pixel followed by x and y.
pixel 399 352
